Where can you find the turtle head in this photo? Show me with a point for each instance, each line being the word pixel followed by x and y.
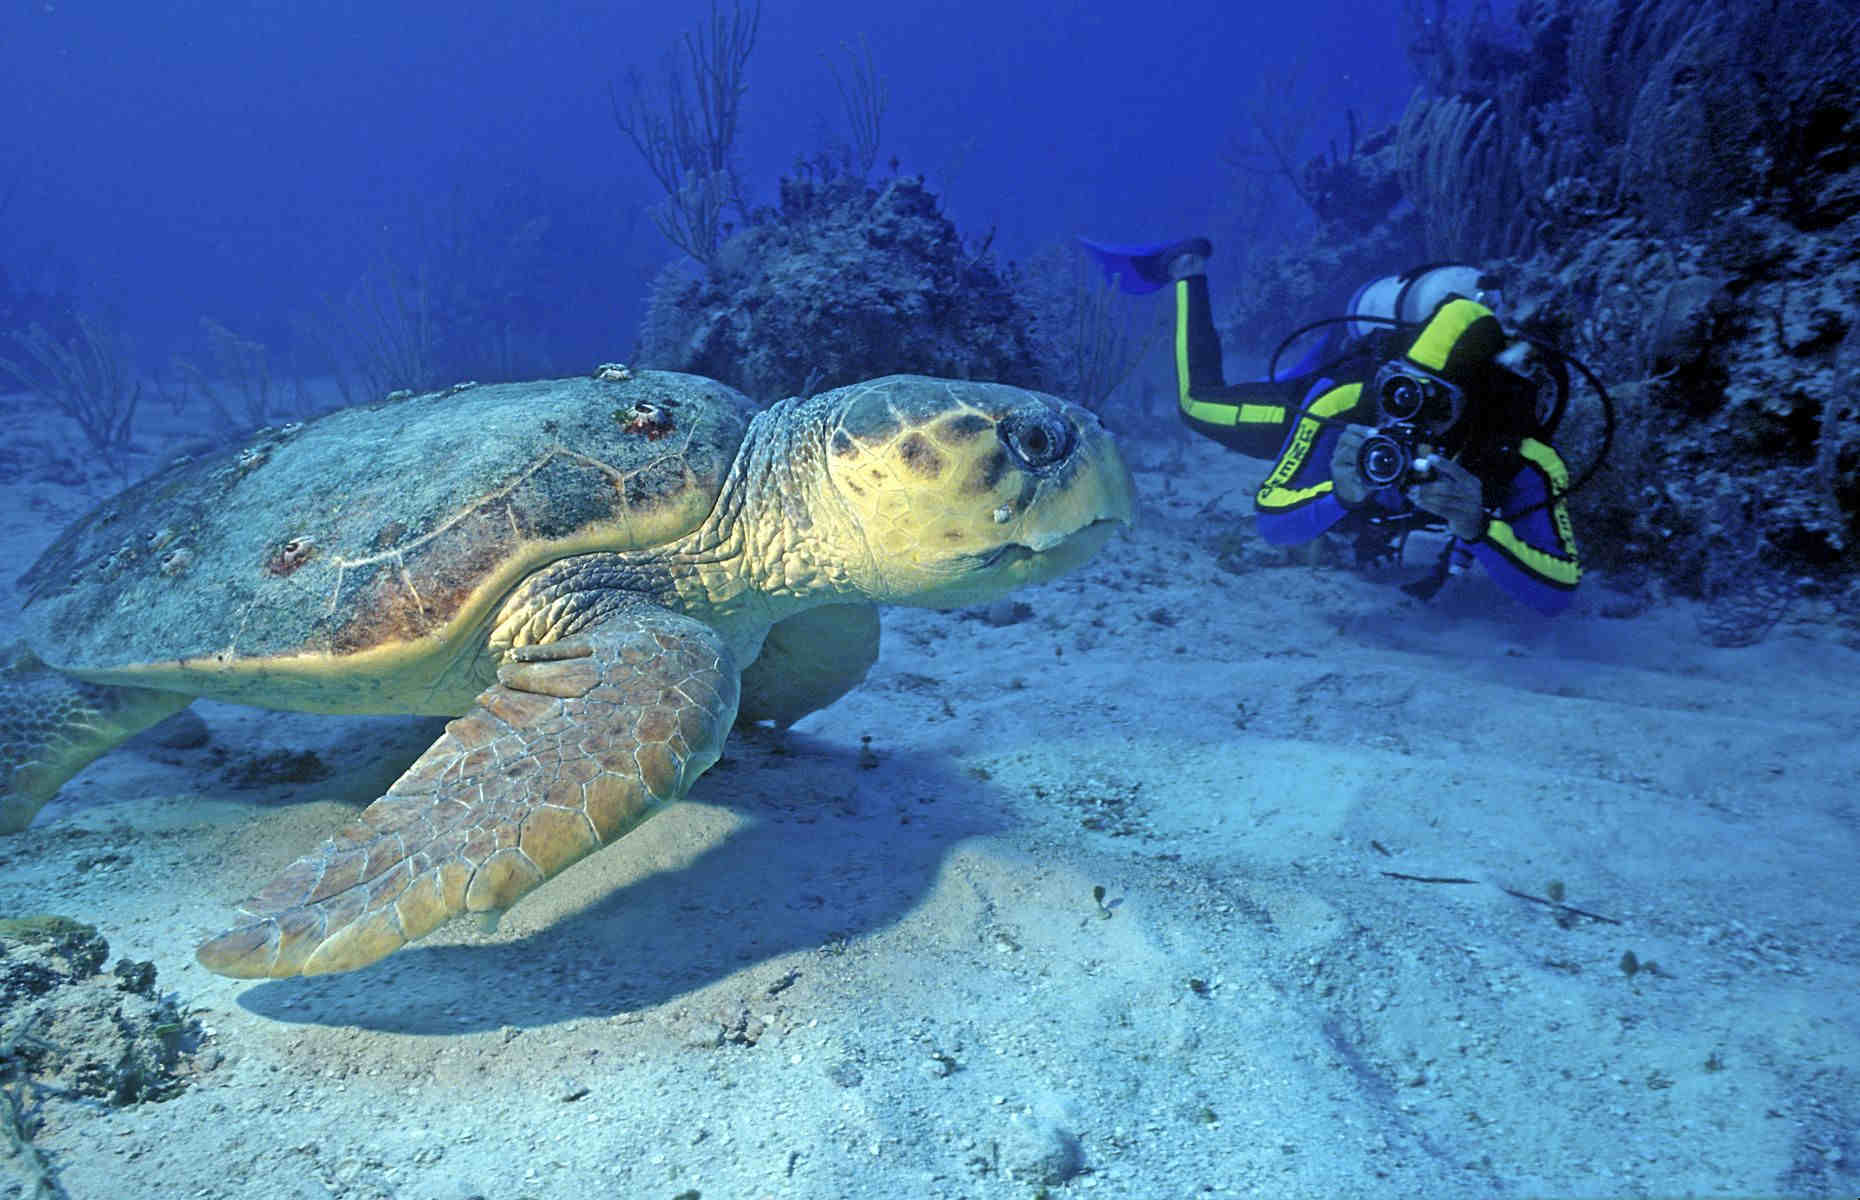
pixel 961 491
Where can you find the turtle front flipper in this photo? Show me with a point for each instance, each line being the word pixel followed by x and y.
pixel 808 661
pixel 577 743
pixel 52 725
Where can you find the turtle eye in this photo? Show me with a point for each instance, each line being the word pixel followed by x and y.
pixel 1037 440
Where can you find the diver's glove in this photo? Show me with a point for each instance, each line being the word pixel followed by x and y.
pixel 1346 474
pixel 1453 493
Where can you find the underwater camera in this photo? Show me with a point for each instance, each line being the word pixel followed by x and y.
pixel 1415 409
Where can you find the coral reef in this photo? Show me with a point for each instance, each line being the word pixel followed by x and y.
pixel 73 1030
pixel 1365 229
pixel 1087 337
pixel 82 368
pixel 842 282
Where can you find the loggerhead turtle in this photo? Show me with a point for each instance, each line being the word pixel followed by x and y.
pixel 601 574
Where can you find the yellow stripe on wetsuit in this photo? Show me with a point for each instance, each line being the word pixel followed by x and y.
pixel 1181 340
pixel 1206 411
pixel 1443 332
pixel 1273 494
pixel 1560 569
pixel 1232 414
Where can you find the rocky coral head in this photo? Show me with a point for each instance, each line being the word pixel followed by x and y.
pixel 964 490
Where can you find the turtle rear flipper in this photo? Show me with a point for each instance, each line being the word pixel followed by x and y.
pixel 52 726
pixel 576 744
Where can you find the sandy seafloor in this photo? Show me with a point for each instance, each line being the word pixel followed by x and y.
pixel 818 978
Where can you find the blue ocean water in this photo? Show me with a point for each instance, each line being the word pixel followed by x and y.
pixel 170 161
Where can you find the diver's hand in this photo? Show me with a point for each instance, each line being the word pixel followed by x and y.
pixel 1346 476
pixel 1453 493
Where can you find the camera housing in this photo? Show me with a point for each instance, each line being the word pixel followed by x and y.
pixel 1415 409
pixel 1407 394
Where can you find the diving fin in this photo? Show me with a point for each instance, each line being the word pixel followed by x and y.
pixel 1141 269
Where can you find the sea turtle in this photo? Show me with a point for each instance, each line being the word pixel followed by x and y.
pixel 601 574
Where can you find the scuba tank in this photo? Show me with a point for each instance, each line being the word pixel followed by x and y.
pixel 1391 301
pixel 1412 296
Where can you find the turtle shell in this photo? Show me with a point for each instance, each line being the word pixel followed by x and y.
pixel 354 547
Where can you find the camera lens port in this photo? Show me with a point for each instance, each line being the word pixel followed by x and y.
pixel 1383 460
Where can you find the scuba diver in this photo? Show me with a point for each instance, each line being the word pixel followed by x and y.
pixel 1414 412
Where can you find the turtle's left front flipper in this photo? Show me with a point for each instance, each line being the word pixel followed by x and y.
pixel 52 725
pixel 576 744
